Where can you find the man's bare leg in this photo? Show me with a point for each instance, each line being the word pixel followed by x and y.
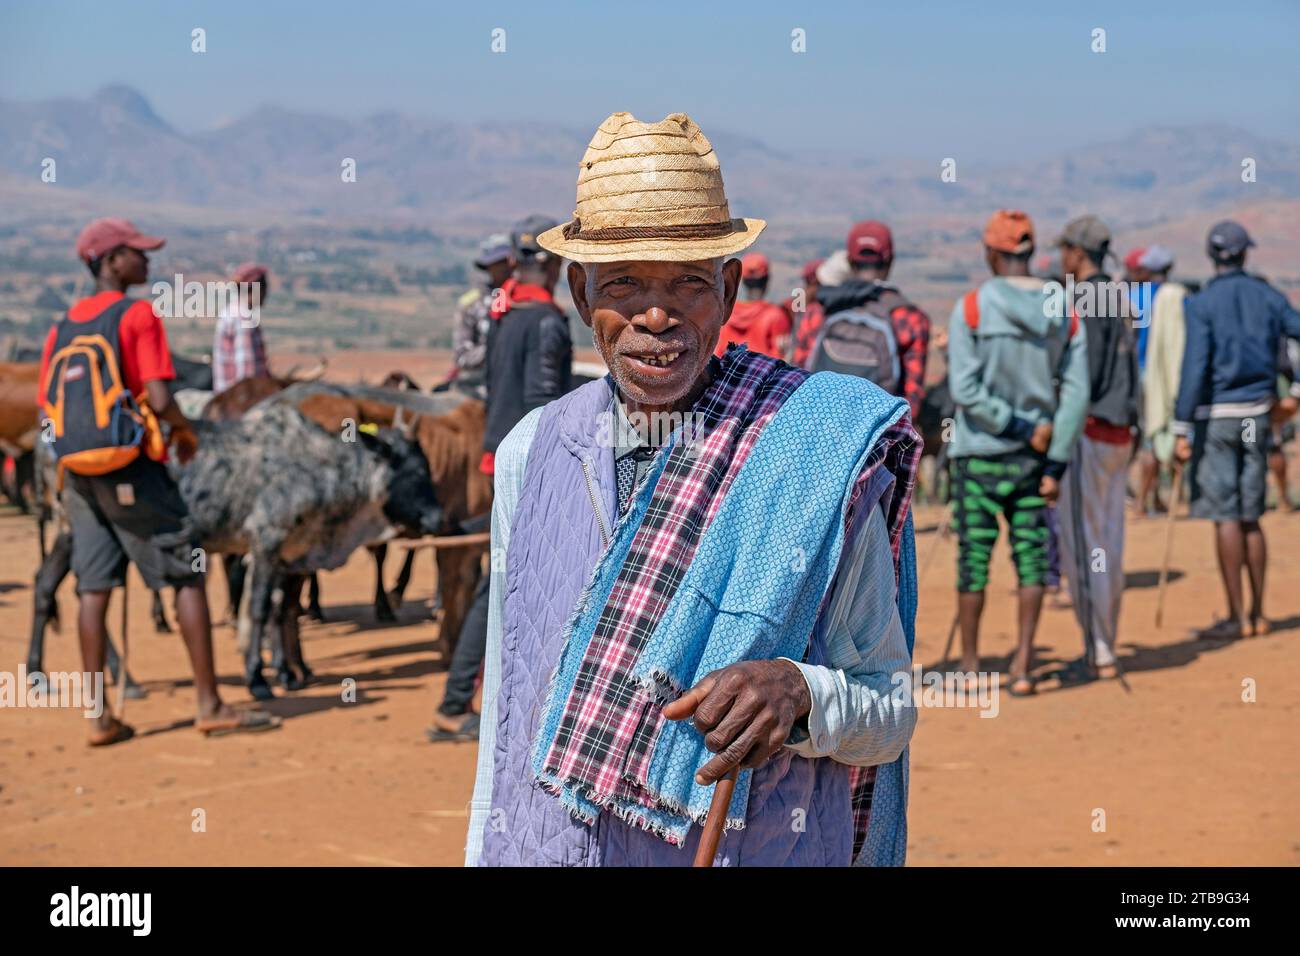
pixel 1256 563
pixel 196 632
pixel 1277 465
pixel 970 607
pixel 92 629
pixel 1148 475
pixel 1230 547
pixel 1030 605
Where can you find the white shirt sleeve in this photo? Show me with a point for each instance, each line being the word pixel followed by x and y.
pixel 862 711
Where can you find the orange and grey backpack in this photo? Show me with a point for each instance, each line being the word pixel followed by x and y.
pixel 95 425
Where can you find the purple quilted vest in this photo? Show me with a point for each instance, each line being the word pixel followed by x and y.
pixel 799 811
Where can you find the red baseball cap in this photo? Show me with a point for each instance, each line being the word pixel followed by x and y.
pixel 870 241
pixel 754 266
pixel 810 269
pixel 251 272
pixel 1133 261
pixel 105 235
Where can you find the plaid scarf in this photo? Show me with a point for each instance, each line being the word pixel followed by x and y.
pixel 598 735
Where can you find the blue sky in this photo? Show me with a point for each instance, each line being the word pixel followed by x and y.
pixel 880 78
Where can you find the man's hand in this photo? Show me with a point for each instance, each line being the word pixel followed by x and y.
pixel 1182 451
pixel 1042 437
pixel 184 443
pixel 745 713
pixel 1049 488
pixel 1284 409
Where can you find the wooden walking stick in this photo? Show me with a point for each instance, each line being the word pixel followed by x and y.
pixel 120 709
pixel 952 633
pixel 1169 545
pixel 716 820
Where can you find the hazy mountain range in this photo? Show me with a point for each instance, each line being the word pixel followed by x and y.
pixel 280 161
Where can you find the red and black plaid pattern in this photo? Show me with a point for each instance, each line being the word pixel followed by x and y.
pixel 610 722
pixel 911 330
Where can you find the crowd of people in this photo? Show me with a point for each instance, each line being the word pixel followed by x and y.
pixel 639 636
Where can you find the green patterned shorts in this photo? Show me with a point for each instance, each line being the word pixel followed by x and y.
pixel 983 488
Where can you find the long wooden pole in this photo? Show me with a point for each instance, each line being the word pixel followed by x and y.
pixel 1169 545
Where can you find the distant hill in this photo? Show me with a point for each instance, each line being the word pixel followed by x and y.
pixel 281 161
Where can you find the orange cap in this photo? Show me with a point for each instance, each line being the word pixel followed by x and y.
pixel 1009 230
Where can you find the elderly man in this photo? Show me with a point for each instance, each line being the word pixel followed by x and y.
pixel 706 564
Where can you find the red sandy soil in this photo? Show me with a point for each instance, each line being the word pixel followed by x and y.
pixel 1184 770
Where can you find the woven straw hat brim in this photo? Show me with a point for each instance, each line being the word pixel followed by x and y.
pixel 743 233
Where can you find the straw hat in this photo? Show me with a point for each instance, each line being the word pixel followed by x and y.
pixel 650 191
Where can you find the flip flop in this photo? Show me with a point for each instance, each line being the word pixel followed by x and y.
pixel 1022 686
pixel 114 733
pixel 468 730
pixel 240 722
pixel 1225 630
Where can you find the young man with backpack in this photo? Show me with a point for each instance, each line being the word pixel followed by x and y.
pixel 763 326
pixel 868 328
pixel 1018 370
pixel 1093 491
pixel 103 390
pixel 1226 395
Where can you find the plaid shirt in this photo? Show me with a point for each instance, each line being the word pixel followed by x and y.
pixel 237 352
pixel 911 330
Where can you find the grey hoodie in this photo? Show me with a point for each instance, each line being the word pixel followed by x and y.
pixel 1020 367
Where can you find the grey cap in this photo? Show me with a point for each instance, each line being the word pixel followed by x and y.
pixel 1157 259
pixel 493 249
pixel 1087 233
pixel 1227 239
pixel 523 237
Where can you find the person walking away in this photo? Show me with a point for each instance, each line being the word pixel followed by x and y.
pixel 104 380
pixel 870 329
pixel 1092 503
pixel 529 363
pixel 1018 370
pixel 469 334
pixel 803 314
pixel 1165 334
pixel 763 326
pixel 1235 327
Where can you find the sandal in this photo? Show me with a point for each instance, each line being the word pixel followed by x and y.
pixel 115 733
pixel 468 730
pixel 1022 686
pixel 1229 629
pixel 241 721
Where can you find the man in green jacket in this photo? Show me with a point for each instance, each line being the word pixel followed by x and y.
pixel 1018 370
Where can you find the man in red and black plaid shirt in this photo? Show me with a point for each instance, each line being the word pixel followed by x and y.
pixel 870 249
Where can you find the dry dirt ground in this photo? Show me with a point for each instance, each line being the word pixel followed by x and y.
pixel 1184 770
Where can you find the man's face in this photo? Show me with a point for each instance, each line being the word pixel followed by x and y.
pixel 656 324
pixel 499 272
pixel 129 266
pixel 1072 259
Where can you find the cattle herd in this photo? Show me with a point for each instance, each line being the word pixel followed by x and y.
pixel 290 477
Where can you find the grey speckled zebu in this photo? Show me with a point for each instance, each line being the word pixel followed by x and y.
pixel 297 498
